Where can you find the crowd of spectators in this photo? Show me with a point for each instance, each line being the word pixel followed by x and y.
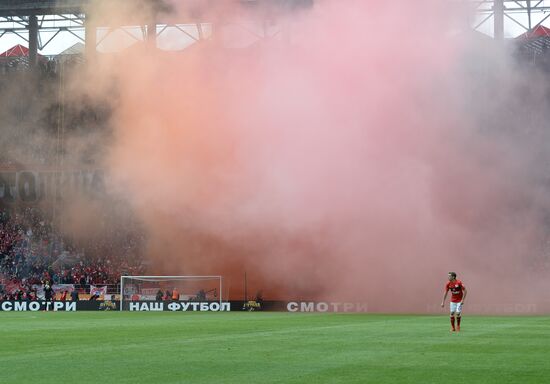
pixel 33 253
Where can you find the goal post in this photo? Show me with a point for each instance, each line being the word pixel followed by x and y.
pixel 189 288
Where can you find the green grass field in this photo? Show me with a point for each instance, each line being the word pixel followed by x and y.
pixel 103 347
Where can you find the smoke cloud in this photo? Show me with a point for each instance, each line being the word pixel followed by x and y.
pixel 359 154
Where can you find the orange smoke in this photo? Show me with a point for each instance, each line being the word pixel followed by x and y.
pixel 331 163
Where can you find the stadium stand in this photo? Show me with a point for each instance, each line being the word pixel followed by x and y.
pixel 35 246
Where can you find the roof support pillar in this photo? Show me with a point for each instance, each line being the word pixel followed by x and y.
pixel 33 40
pixel 90 38
pixel 152 33
pixel 498 9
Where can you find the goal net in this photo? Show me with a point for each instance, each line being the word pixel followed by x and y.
pixel 170 288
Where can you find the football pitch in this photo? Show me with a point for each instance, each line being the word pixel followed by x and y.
pixel 243 347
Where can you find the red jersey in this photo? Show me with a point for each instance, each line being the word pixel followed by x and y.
pixel 457 290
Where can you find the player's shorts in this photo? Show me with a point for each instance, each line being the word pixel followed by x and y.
pixel 456 307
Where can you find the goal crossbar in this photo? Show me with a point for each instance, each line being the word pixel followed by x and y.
pixel 168 278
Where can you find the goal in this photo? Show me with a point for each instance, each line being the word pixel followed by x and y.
pixel 189 288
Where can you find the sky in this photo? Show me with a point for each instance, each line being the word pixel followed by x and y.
pixel 172 39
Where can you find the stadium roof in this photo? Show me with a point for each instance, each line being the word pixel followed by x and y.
pixel 16 51
pixel 535 33
pixel 41 7
pixel 536 40
pixel 76 49
pixel 19 54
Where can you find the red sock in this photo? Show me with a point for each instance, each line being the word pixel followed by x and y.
pixel 453 321
pixel 458 320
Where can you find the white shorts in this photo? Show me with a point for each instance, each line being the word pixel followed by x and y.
pixel 456 307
